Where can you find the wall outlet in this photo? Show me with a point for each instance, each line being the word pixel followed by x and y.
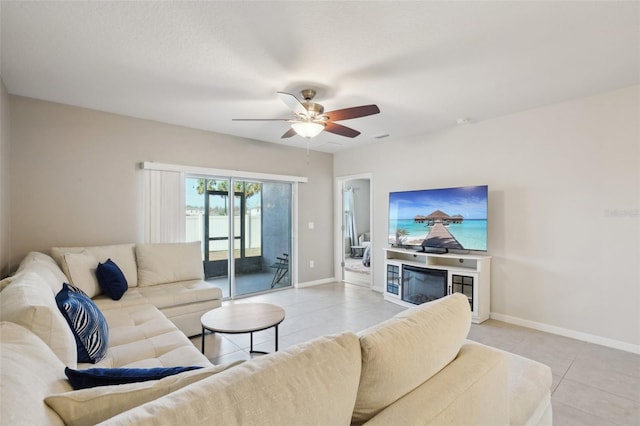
pixel 311 264
pixel 311 225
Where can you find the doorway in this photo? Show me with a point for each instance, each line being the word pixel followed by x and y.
pixel 355 230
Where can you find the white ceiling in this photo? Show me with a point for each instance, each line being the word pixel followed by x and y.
pixel 425 64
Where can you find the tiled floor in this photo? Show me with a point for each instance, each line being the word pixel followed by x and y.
pixel 593 385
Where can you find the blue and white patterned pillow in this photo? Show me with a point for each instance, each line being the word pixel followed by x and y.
pixel 86 321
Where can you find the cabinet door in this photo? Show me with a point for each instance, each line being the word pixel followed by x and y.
pixel 393 279
pixel 463 284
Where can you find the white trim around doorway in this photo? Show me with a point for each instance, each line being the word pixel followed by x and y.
pixel 338 237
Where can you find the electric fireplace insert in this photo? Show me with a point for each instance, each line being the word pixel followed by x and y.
pixel 420 285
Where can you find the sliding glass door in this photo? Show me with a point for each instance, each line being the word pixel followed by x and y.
pixel 216 234
pixel 249 219
pixel 248 239
pixel 277 225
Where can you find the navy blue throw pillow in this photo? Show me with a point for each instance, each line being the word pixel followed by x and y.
pixel 86 321
pixel 82 379
pixel 111 279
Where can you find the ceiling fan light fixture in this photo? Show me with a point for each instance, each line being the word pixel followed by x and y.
pixel 308 129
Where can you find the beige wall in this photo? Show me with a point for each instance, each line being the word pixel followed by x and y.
pixel 74 177
pixel 5 224
pixel 564 189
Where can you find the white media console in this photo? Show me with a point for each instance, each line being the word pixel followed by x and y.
pixel 413 277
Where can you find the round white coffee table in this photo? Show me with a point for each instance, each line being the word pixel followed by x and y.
pixel 242 318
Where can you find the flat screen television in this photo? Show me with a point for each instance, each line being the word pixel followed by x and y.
pixel 438 220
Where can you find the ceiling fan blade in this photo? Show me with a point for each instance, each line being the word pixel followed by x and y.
pixel 341 130
pixel 260 119
pixel 293 103
pixel 288 134
pixel 353 112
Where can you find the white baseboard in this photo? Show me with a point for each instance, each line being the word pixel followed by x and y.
pixel 578 335
pixel 316 282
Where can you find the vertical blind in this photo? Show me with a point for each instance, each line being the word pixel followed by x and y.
pixel 163 200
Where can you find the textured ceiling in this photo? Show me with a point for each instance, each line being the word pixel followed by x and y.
pixel 425 64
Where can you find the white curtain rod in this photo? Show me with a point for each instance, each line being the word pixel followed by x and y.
pixel 205 171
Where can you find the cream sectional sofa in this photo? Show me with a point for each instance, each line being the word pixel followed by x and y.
pixel 416 368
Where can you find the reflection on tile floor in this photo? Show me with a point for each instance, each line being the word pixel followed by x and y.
pixel 592 385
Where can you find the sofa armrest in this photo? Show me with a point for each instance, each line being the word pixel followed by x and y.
pixel 472 389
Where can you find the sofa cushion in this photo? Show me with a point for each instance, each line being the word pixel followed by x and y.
pixel 91 406
pixel 140 336
pixel 122 254
pixel 52 278
pixel 315 382
pixel 180 293
pixel 187 317
pixel 168 263
pixel 30 372
pixel 405 351
pixel 111 279
pixel 471 390
pixel 130 298
pixel 81 269
pixel 45 264
pixel 29 302
pixel 5 282
pixel 86 321
pixel 94 377
pixel 36 256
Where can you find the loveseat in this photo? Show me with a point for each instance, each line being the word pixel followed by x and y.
pixel 416 368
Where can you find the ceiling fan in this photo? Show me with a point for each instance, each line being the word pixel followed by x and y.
pixel 310 119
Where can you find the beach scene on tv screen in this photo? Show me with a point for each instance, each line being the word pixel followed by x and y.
pixel 452 218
